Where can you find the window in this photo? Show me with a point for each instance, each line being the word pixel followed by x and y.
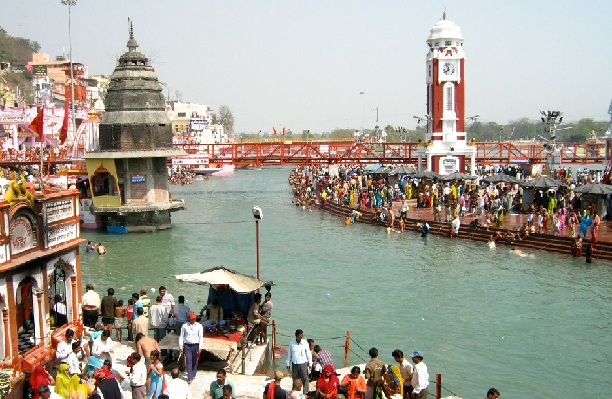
pixel 448 43
pixel 437 44
pixel 429 70
pixel 182 114
pixel 449 97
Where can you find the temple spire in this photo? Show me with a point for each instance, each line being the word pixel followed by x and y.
pixel 444 14
pixel 132 44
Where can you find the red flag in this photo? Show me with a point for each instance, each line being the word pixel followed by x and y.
pixel 274 130
pixel 64 130
pixel 283 131
pixel 38 123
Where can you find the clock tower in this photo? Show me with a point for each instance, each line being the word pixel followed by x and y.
pixel 446 149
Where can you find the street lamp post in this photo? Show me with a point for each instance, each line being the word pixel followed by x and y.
pixel 258 215
pixel 424 118
pixel 361 93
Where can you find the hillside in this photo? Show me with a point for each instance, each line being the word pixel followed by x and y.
pixel 16 50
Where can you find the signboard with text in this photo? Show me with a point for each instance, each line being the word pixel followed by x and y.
pixel 138 178
pixel 59 210
pixel 61 234
pixel 22 234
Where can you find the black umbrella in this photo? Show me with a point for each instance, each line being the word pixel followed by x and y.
pixel 403 170
pixel 383 170
pixel 426 174
pixel 501 178
pixel 543 183
pixel 457 176
pixel 594 188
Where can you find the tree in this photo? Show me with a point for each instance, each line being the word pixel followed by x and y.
pixel 226 118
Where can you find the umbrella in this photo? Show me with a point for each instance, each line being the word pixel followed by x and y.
pixel 372 167
pixel 501 178
pixel 426 174
pixel 594 188
pixel 403 170
pixel 543 183
pixel 238 282
pixel 383 170
pixel 457 176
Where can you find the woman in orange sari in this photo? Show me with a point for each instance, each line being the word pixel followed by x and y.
pixel 355 384
pixel 327 384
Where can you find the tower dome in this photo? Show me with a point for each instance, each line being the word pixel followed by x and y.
pixel 445 30
pixel 135 116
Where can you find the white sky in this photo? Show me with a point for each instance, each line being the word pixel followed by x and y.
pixel 302 64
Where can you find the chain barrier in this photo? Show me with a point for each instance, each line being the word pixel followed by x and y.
pixel 359 346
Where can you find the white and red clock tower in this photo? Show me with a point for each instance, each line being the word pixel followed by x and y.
pixel 446 149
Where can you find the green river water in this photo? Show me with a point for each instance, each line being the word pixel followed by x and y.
pixel 528 326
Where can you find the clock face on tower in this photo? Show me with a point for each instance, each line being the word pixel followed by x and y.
pixel 448 69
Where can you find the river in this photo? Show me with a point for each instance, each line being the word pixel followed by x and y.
pixel 527 326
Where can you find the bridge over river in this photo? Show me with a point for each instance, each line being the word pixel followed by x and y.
pixel 300 152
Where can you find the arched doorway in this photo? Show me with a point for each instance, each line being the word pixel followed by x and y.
pixel 26 319
pixel 57 295
pixel 104 183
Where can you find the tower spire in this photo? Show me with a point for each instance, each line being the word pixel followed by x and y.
pixel 132 44
pixel 444 13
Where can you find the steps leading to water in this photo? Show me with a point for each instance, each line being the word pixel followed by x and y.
pixel 540 242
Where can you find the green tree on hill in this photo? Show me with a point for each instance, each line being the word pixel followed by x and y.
pixel 16 50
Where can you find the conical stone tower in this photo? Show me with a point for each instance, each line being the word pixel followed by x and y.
pixel 128 174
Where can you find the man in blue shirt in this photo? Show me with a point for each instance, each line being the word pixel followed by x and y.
pixel 299 359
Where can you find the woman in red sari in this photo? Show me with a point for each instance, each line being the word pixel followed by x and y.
pixel 327 384
pixel 39 377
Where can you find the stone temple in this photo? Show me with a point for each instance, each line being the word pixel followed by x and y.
pixel 128 174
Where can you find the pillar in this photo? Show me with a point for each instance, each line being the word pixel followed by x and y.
pixel 41 312
pixel 75 293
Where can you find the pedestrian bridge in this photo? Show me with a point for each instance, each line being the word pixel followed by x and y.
pixel 294 152
pixel 312 152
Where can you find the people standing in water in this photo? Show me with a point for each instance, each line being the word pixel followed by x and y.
pixel 101 249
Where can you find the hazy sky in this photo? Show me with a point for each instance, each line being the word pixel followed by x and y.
pixel 302 64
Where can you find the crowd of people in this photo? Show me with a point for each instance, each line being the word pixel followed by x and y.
pixel 562 212
pixel 85 360
pixel 180 175
pixel 308 362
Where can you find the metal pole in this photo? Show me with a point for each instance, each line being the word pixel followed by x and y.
pixel 257 244
pixel 438 386
pixel 73 116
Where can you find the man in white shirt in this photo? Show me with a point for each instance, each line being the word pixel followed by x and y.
pixel 420 377
pixel 103 346
pixel 167 299
pixel 190 339
pixel 177 388
pixel 405 370
pixel 45 393
pixel 158 317
pixel 299 359
pixel 138 377
pixel 74 364
pixel 91 306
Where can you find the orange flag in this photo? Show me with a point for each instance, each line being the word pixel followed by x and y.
pixel 283 131
pixel 274 130
pixel 64 130
pixel 38 123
